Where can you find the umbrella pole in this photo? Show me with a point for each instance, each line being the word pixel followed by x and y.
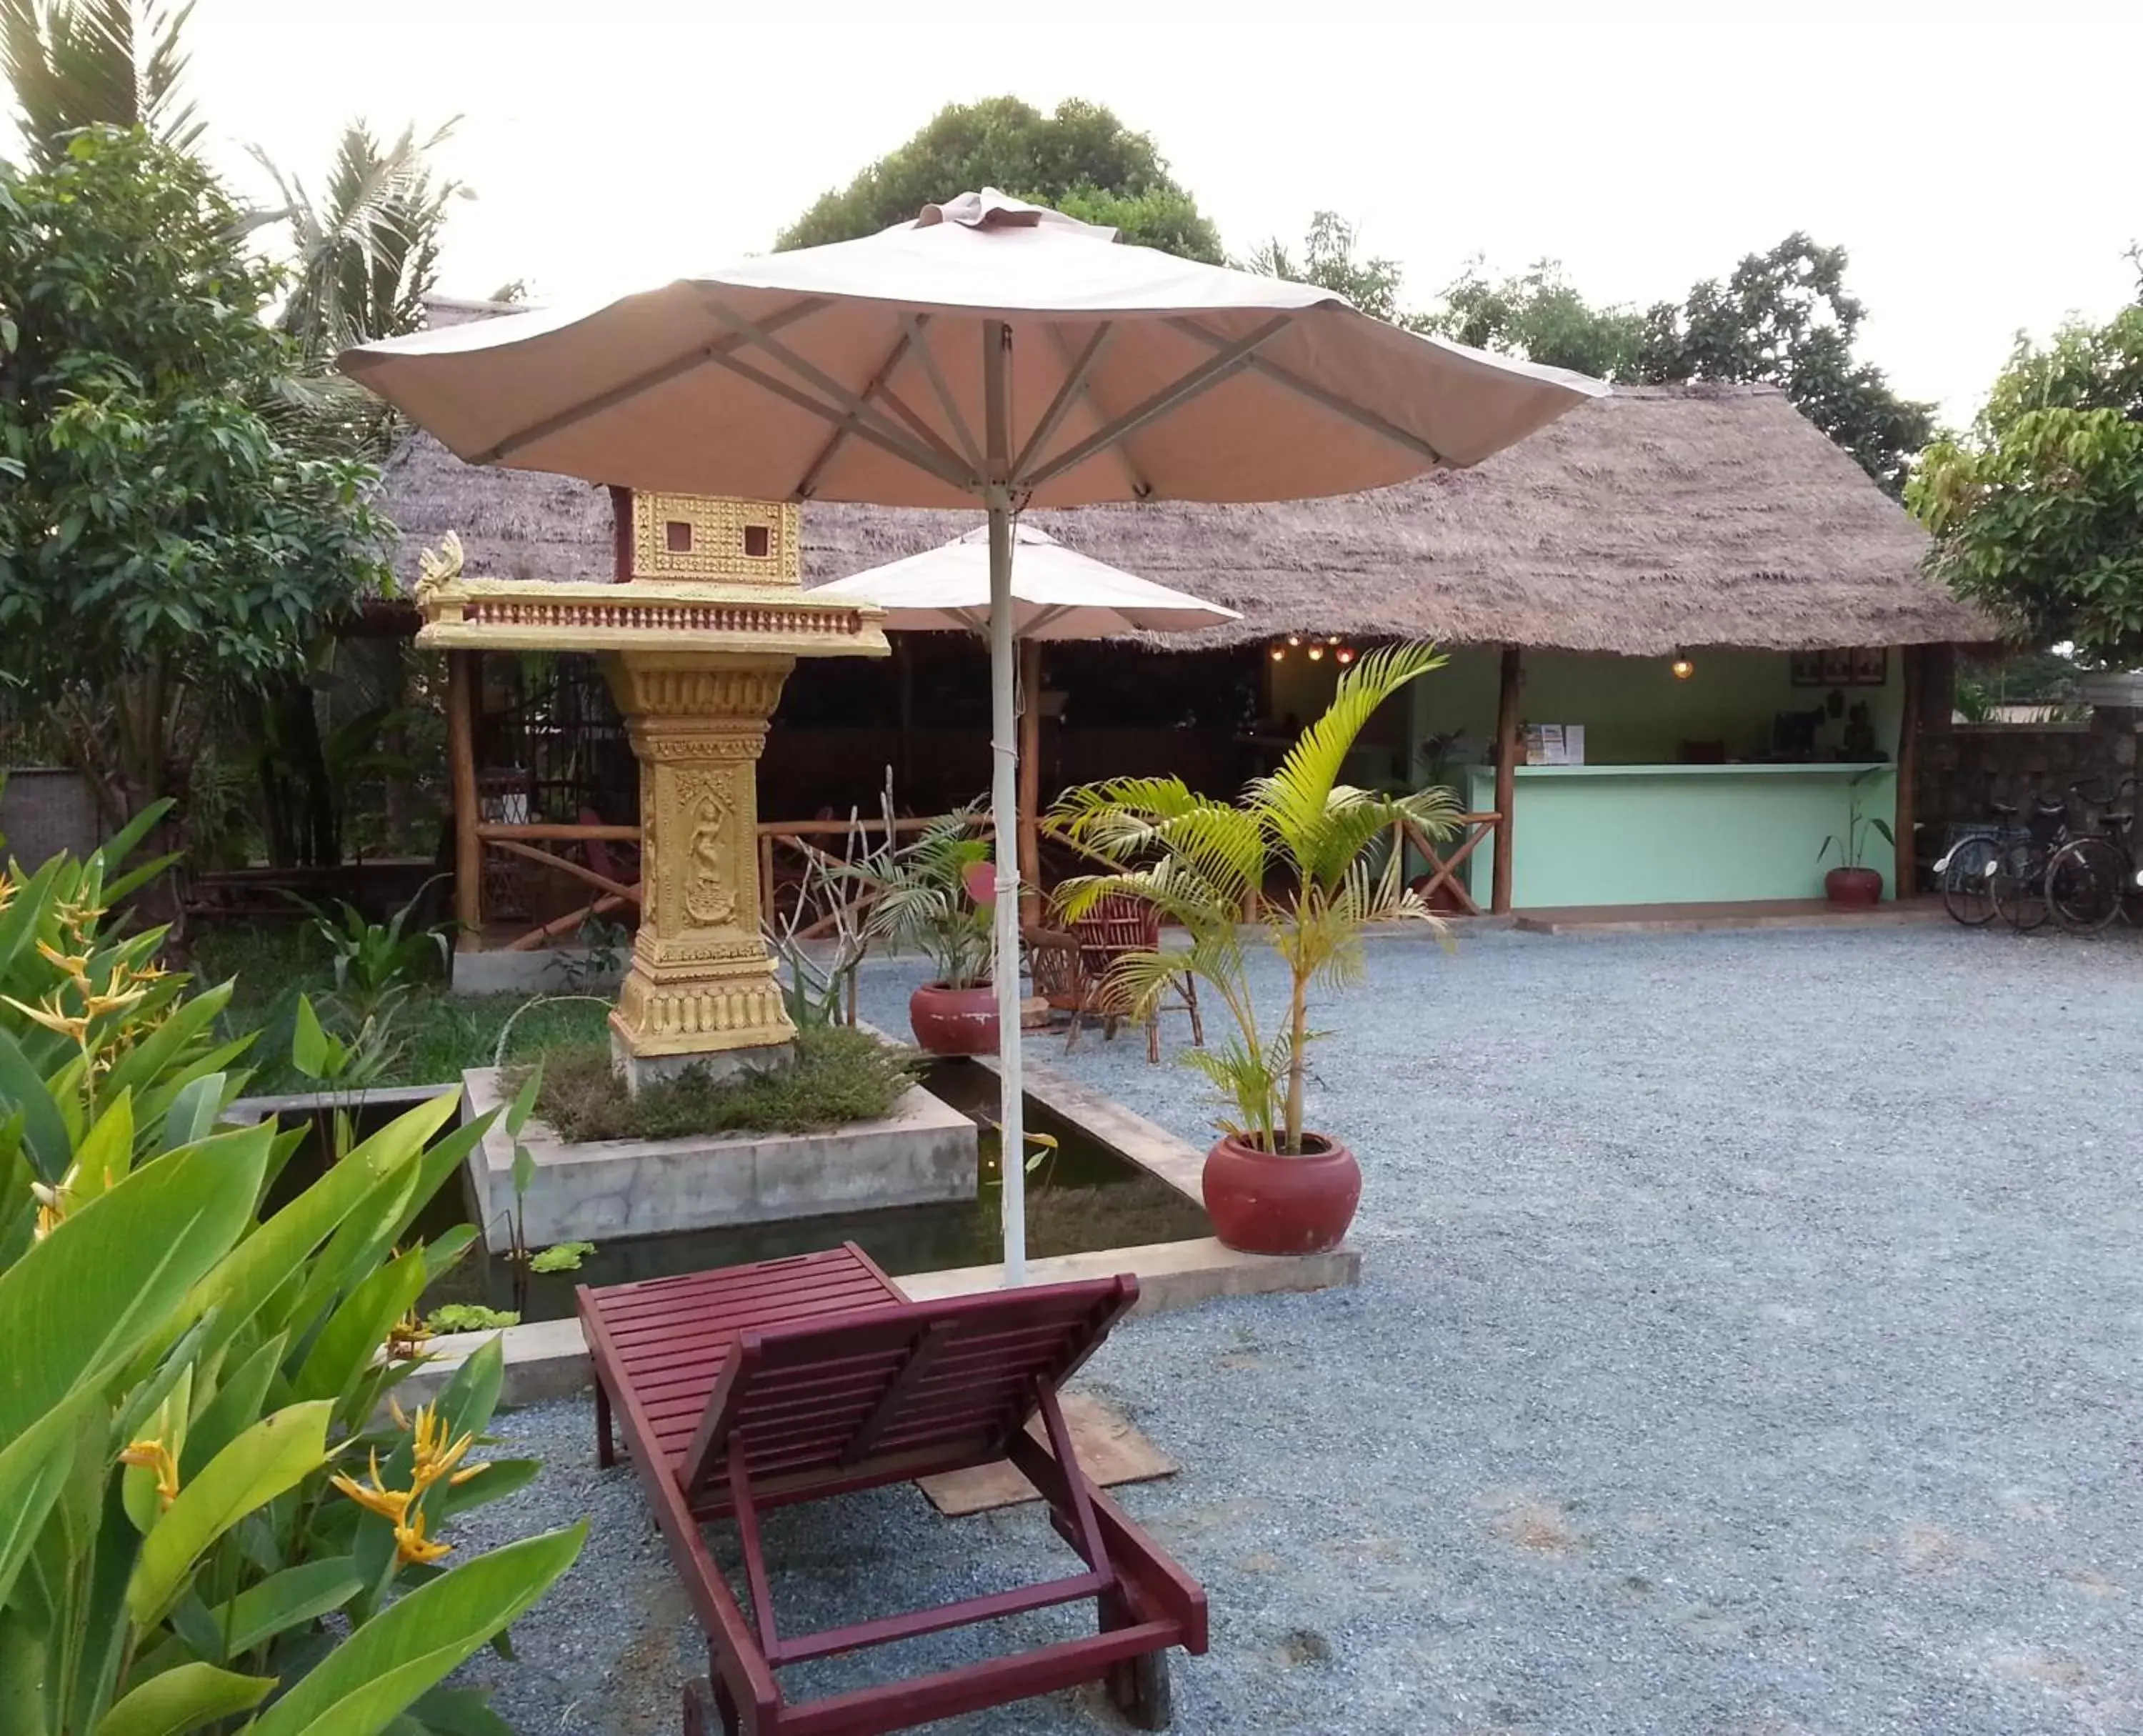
pixel 1004 807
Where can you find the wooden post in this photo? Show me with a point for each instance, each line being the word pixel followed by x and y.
pixel 464 694
pixel 1905 876
pixel 1030 777
pixel 1507 779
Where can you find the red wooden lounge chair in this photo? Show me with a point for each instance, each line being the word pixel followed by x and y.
pixel 762 1385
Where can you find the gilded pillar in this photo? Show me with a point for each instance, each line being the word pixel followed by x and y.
pixel 701 986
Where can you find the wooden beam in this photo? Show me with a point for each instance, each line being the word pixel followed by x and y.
pixel 559 833
pixel 1904 881
pixel 464 694
pixel 1030 778
pixel 621 532
pixel 1508 748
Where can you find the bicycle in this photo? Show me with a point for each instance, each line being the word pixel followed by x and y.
pixel 1965 873
pixel 2016 881
pixel 2089 878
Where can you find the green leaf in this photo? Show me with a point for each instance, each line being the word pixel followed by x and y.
pixel 44 1128
pixel 356 1331
pixel 309 1042
pixel 183 1699
pixel 524 1101
pixel 193 1111
pixel 180 1700
pixel 498 1480
pixel 65 1322
pixel 284 1600
pixel 275 1454
pixel 237 1402
pixel 34 1469
pixel 459 1712
pixel 413 1645
pixel 107 1151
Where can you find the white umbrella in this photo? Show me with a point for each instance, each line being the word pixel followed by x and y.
pixel 991 352
pixel 1056 592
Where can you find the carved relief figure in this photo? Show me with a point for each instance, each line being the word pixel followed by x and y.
pixel 710 890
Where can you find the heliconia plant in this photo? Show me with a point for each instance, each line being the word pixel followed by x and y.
pixel 214 1512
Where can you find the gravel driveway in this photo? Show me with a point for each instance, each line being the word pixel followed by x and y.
pixel 1747 1342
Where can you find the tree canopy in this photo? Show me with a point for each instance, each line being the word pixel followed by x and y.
pixel 2037 509
pixel 1326 259
pixel 1537 314
pixel 1080 158
pixel 158 540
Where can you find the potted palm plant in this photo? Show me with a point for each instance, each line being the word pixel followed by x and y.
pixel 1851 883
pixel 1302 864
pixel 918 898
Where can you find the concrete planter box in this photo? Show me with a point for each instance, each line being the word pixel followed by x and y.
pixel 924 1153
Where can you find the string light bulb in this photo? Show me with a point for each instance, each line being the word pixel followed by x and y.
pixel 1294 639
pixel 1345 653
pixel 1279 654
pixel 1681 668
pixel 1316 653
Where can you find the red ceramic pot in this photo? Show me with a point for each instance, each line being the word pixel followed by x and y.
pixel 1263 1203
pixel 954 1021
pixel 1852 889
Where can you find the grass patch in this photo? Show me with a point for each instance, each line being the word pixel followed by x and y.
pixel 839 1077
pixel 436 1035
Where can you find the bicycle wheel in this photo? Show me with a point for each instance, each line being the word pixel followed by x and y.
pixel 1967 892
pixel 2085 881
pixel 2019 886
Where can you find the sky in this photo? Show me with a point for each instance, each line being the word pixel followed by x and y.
pixel 1975 159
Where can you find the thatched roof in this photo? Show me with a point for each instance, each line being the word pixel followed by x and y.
pixel 1657 517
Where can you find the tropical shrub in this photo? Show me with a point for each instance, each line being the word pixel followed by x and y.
pixel 205 1516
pixel 920 898
pixel 1301 856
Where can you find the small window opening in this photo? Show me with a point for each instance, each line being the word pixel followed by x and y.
pixel 677 536
pixel 756 542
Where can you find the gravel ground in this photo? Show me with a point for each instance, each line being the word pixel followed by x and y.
pixel 1746 1343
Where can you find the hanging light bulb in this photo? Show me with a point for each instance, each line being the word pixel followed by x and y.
pixel 1279 654
pixel 1681 668
pixel 1345 653
pixel 1316 653
pixel 1294 639
pixel 1334 640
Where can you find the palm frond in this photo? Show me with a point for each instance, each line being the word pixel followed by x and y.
pixel 1292 801
pixel 78 64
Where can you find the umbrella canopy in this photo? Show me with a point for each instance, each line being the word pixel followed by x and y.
pixel 991 352
pixel 1056 592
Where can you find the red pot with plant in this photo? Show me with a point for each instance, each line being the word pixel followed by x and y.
pixel 921 897
pixel 1300 851
pixel 1852 885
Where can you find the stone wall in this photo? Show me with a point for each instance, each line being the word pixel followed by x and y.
pixel 1965 768
pixel 44 810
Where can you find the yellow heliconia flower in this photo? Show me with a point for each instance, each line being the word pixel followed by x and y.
pixel 410 1546
pixel 7 889
pixel 69 964
pixel 79 917
pixel 114 999
pixel 53 1017
pixel 406 1340
pixel 155 1456
pixel 435 1456
pixel 374 1496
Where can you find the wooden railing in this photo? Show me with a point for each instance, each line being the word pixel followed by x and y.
pixel 1443 872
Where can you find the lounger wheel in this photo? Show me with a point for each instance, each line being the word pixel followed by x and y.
pixel 1138 1689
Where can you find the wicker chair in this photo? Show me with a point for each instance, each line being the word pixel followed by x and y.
pixel 1118 926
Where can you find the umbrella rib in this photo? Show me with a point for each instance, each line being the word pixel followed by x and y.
pixel 813 375
pixel 1075 383
pixel 921 457
pixel 1141 488
pixel 946 402
pixel 805 489
pixel 1317 394
pixel 647 382
pixel 1231 360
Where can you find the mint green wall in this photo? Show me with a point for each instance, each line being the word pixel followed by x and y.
pixel 1695 834
pixel 1634 711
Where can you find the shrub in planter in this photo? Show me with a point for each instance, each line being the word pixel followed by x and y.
pixel 920 900
pixel 1311 856
pixel 1853 884
pixel 204 1518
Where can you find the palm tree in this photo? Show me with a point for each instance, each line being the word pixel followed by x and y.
pixel 1301 854
pixel 78 63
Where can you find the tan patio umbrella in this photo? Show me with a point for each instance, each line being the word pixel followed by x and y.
pixel 990 353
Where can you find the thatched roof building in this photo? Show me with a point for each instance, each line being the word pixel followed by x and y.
pixel 1654 519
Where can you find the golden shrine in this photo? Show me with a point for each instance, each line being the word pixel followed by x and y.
pixel 706 618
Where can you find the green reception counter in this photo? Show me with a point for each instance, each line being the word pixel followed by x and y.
pixel 1660 834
